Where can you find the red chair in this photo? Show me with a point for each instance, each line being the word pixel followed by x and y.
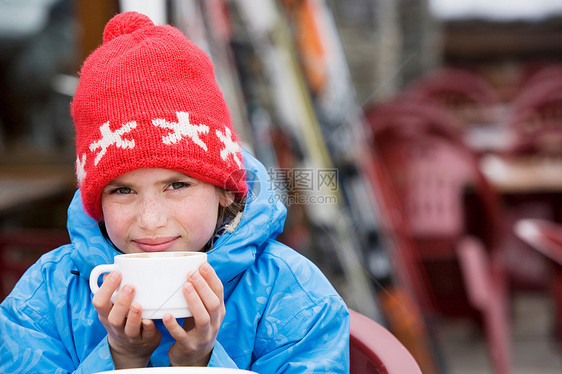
pixel 401 299
pixel 546 237
pixel 20 248
pixel 544 74
pixel 374 350
pixel 536 118
pixel 457 259
pixel 464 93
pixel 407 115
pixel 543 235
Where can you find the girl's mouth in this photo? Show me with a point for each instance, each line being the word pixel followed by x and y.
pixel 159 244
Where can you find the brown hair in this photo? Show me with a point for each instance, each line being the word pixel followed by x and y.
pixel 225 215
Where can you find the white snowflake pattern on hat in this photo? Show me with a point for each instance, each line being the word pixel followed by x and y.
pixel 112 138
pixel 230 146
pixel 80 170
pixel 182 129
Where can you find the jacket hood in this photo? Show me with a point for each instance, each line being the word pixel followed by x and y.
pixel 263 218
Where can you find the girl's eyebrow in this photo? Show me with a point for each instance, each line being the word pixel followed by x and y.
pixel 177 177
pixel 191 182
pixel 117 183
pixel 111 185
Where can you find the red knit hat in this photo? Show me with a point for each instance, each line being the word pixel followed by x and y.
pixel 148 98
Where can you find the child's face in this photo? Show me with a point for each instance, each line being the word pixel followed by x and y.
pixel 155 210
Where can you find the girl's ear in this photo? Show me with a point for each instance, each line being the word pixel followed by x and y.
pixel 226 198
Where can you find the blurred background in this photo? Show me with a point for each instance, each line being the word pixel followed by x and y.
pixel 416 143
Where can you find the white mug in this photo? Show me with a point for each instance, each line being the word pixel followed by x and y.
pixel 158 278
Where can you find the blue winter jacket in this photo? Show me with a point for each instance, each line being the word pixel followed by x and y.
pixel 282 314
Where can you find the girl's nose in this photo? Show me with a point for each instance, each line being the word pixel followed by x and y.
pixel 151 214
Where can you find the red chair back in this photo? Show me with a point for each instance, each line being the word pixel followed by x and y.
pixel 464 93
pixel 536 118
pixel 405 115
pixel 20 248
pixel 374 350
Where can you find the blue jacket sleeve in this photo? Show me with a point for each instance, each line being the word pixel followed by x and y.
pixel 219 358
pixel 98 360
pixel 314 340
pixel 30 343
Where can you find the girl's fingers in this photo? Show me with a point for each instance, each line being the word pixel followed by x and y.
pixel 176 331
pixel 149 330
pixel 201 299
pixel 121 307
pixel 201 321
pixel 212 302
pixel 134 320
pixel 102 298
pixel 208 273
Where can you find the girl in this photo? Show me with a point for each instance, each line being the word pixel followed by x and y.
pixel 159 168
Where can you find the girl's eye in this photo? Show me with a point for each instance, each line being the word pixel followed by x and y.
pixel 178 185
pixel 121 191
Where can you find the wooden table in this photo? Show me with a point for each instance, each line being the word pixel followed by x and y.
pixel 529 187
pixel 529 174
pixel 489 138
pixel 25 185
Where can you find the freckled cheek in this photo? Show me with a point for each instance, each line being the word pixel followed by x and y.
pixel 199 221
pixel 117 222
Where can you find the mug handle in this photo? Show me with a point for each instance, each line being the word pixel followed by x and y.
pixel 96 272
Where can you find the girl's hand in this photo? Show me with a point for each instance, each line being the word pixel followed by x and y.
pixel 132 340
pixel 195 340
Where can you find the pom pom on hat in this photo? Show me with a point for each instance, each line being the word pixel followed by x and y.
pixel 148 98
pixel 125 23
